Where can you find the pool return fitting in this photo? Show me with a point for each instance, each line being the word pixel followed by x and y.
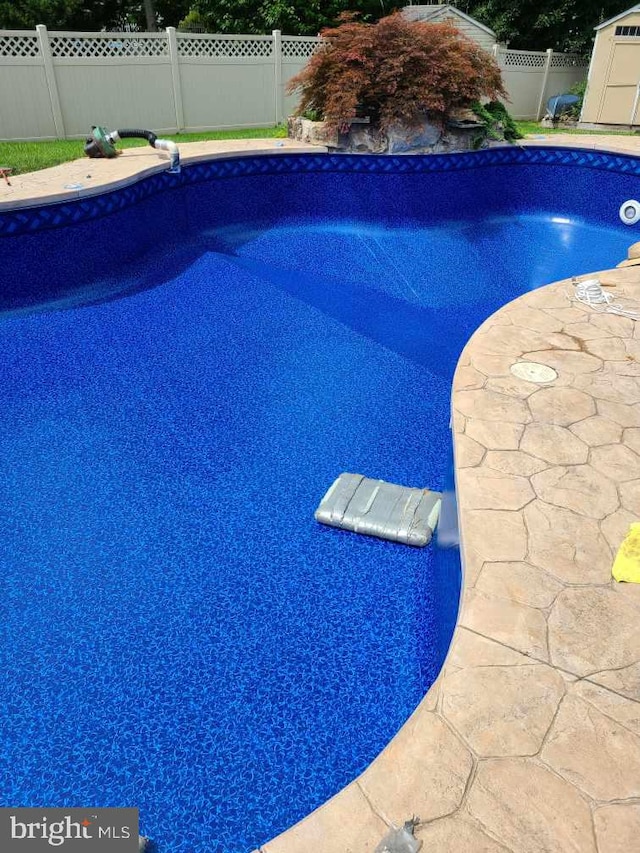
pixel 630 212
pixel 101 143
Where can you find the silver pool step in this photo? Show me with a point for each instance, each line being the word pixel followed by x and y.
pixel 376 508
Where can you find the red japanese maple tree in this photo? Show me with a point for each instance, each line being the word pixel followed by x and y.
pixel 396 72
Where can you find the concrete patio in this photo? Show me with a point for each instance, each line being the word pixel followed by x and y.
pixel 529 741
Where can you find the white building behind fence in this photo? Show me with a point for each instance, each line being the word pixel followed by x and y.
pixel 441 12
pixel 59 84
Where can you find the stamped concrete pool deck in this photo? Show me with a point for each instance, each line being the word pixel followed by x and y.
pixel 529 741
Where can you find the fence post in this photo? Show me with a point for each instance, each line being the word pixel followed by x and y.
pixel 545 80
pixel 175 77
pixel 277 67
pixel 50 76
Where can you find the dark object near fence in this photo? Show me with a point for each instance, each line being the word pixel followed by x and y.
pixel 559 105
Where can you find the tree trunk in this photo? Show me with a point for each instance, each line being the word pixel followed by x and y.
pixel 150 13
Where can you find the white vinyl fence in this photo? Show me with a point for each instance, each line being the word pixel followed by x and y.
pixel 532 77
pixel 59 84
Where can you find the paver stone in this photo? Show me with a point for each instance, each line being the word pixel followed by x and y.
pixel 483 488
pixel 423 771
pixel 562 406
pixel 495 435
pixel 345 823
pixel 518 582
pixel 593 629
pixel 625 681
pixel 568 546
pixel 530 808
pixel 554 444
pixel 456 834
pixel 502 710
pixel 593 752
pixel 517 626
pixel 616 461
pixel 617 828
pixel 597 430
pixel 468 451
pixel 514 462
pixel 579 488
pixel 491 406
pixel 495 534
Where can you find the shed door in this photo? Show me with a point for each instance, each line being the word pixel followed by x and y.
pixel 620 89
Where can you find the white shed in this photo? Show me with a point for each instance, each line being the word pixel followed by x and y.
pixel 467 25
pixel 613 87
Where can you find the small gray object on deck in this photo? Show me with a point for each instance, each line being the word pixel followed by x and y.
pixel 376 508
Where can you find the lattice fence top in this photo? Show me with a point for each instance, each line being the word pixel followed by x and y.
pixel 523 59
pixel 19 46
pixel 218 47
pixel 567 60
pixel 293 48
pixel 107 45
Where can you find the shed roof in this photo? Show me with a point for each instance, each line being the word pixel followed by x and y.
pixel 434 11
pixel 619 17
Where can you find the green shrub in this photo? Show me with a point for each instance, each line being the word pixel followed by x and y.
pixel 578 89
pixel 498 110
pixel 312 115
pixel 395 71
pixel 491 125
pixel 498 121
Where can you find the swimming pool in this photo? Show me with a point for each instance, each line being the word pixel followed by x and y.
pixel 183 637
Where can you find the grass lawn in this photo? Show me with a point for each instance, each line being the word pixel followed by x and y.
pixel 31 156
pixel 532 127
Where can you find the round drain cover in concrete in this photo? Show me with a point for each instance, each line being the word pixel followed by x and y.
pixel 533 372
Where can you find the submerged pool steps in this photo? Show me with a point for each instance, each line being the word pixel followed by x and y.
pixel 377 508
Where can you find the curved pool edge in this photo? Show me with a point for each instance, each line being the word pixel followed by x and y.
pixel 517 744
pixel 84 178
pixel 466 762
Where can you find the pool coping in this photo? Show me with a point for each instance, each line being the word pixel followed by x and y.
pixel 530 738
pixel 84 178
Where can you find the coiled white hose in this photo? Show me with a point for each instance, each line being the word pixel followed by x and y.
pixel 590 293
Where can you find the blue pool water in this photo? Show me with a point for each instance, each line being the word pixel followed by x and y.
pixel 180 635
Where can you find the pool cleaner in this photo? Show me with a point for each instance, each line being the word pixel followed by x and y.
pixel 376 508
pixel 102 142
